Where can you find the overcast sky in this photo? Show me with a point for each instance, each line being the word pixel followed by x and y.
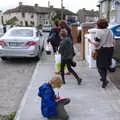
pixel 73 5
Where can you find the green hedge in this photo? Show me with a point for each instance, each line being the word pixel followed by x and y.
pixel 8 116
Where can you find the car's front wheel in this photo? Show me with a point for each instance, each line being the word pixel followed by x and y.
pixel 4 58
pixel 38 55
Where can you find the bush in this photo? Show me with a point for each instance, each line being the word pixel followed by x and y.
pixel 8 116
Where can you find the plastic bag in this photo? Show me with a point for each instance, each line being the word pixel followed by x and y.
pixel 112 67
pixel 58 62
pixel 48 48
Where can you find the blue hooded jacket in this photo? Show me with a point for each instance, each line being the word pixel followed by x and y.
pixel 48 103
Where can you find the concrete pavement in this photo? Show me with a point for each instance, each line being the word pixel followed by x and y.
pixel 88 101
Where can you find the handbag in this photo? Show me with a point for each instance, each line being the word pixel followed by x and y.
pixel 94 54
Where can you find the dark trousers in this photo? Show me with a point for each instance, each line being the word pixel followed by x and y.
pixel 68 63
pixel 55 47
pixel 104 60
pixel 103 73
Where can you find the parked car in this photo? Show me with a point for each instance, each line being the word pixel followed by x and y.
pixel 21 42
pixel 46 28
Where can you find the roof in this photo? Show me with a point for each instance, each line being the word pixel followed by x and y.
pixel 100 1
pixel 37 9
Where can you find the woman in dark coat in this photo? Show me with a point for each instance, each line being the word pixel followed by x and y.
pixel 67 53
pixel 54 37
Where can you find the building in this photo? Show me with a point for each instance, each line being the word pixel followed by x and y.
pixel 110 9
pixel 87 15
pixel 26 15
pixel 1 17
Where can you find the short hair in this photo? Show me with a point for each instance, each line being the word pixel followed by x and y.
pixel 63 33
pixel 56 80
pixel 102 23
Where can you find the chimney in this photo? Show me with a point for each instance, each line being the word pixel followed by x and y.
pixel 48 3
pixel 36 5
pixel 51 6
pixel 20 3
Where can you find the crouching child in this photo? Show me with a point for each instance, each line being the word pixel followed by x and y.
pixel 52 106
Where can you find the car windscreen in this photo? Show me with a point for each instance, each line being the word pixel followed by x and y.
pixel 21 33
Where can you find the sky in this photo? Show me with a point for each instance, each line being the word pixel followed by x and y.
pixel 72 5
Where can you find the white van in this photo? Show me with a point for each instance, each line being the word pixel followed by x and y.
pixel 46 27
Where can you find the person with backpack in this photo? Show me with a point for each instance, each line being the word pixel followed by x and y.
pixel 54 37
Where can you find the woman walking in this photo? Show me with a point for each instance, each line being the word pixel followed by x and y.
pixel 54 37
pixel 105 42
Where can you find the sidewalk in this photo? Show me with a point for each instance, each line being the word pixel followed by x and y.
pixel 88 101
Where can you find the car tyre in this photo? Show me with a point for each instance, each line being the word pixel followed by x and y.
pixel 4 58
pixel 38 56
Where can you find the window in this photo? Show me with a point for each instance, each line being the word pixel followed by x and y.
pixel 21 23
pixel 32 16
pixel 26 23
pixel 32 23
pixel 21 33
pixel 23 15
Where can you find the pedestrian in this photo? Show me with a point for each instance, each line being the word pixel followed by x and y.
pixel 54 37
pixel 67 53
pixel 51 107
pixel 4 28
pixel 104 41
pixel 64 25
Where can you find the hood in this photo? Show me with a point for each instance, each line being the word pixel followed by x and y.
pixel 43 88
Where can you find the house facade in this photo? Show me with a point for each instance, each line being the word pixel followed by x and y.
pixel 87 15
pixel 110 9
pixel 25 15
pixel 1 17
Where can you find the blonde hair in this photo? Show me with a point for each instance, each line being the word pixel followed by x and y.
pixel 56 82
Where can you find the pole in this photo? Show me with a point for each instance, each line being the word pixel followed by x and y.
pixel 62 9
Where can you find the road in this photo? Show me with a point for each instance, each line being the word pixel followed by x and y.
pixel 15 76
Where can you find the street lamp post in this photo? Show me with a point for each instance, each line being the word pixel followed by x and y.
pixel 62 9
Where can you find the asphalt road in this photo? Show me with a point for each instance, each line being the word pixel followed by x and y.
pixel 15 75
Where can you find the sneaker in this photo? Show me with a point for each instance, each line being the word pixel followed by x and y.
pixel 68 73
pixel 104 84
pixel 57 73
pixel 101 80
pixel 79 81
pixel 63 82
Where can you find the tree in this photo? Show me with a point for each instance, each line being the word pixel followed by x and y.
pixel 12 21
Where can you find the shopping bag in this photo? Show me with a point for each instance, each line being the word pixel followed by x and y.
pixel 112 67
pixel 48 48
pixel 58 62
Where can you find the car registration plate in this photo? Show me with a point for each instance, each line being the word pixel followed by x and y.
pixel 14 44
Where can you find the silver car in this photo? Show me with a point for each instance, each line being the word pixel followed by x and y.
pixel 21 42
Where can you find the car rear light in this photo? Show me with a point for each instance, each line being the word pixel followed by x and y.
pixel 2 43
pixel 31 43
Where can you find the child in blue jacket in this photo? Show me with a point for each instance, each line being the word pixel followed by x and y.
pixel 50 108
